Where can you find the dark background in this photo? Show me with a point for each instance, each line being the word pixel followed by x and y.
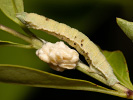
pixel 95 18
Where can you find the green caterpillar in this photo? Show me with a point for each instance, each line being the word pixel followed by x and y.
pixel 76 39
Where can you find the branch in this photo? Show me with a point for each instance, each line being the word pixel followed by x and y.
pixel 15 33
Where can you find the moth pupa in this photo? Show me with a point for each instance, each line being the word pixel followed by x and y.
pixel 76 39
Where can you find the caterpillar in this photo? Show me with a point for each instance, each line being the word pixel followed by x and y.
pixel 74 38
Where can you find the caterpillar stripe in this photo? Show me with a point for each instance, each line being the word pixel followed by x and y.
pixel 76 39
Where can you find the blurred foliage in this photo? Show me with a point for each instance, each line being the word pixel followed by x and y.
pixel 95 18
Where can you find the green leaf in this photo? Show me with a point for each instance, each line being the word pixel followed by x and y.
pixel 11 7
pixel 37 78
pixel 126 26
pixel 118 63
pixel 8 43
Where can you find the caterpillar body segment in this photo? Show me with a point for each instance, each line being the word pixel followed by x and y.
pixel 76 39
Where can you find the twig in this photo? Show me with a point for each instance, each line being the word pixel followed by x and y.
pixel 15 33
pixel 36 43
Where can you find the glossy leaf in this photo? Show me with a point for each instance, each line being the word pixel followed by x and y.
pixel 126 26
pixel 8 43
pixel 11 7
pixel 37 78
pixel 118 63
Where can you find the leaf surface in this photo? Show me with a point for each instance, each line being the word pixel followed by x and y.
pixel 11 7
pixel 37 78
pixel 126 26
pixel 118 63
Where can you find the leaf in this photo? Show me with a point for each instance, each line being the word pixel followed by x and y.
pixel 118 63
pixel 8 43
pixel 37 78
pixel 126 26
pixel 11 7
